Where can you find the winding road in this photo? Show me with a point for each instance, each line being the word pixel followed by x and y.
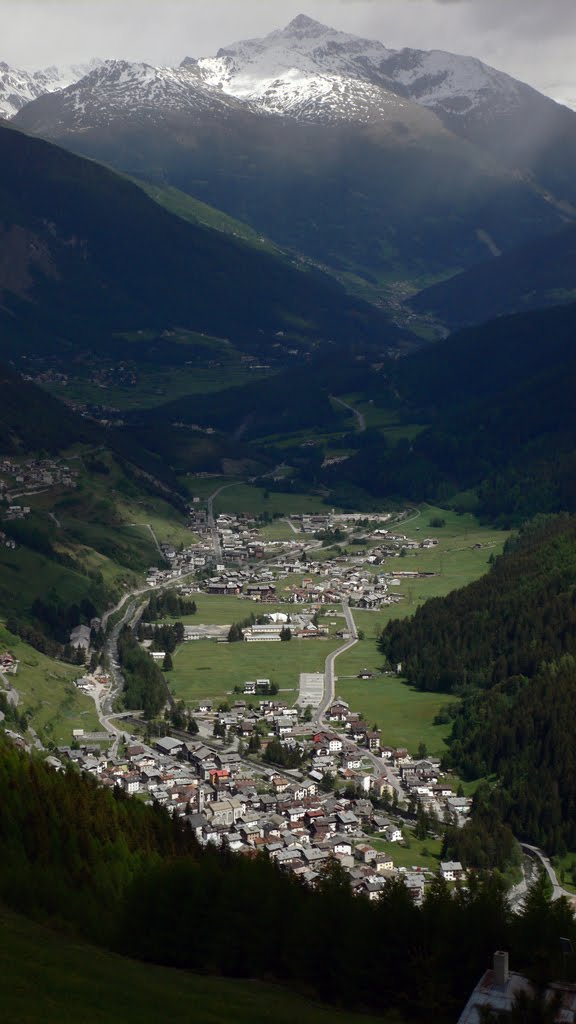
pixel 360 417
pixel 329 677
pixel 148 526
pixel 557 890
pixel 212 522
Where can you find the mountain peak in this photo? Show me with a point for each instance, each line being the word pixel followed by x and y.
pixel 303 24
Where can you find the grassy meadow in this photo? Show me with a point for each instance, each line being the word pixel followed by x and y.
pixel 413 853
pixel 248 498
pixel 49 978
pixel 157 386
pixel 47 694
pixel 206 669
pixel 406 715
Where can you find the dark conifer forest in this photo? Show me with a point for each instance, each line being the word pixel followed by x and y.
pixel 507 645
pixel 131 878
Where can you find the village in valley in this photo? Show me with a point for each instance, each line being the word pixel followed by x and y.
pixel 294 772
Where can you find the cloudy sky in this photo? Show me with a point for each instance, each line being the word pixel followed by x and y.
pixel 534 40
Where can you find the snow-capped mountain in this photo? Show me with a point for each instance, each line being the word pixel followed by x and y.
pixel 119 89
pixel 19 87
pixel 355 155
pixel 313 72
pixel 306 71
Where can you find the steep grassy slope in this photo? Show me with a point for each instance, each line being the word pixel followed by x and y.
pixel 85 253
pixel 49 979
pixel 92 495
pixel 196 212
pixel 402 198
pixel 46 696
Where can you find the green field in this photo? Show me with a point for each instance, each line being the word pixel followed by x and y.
pixel 246 498
pixel 405 715
pixel 418 853
pixel 279 530
pixel 25 574
pixel 46 691
pixel 205 669
pixel 385 420
pixel 223 611
pixel 48 978
pixel 157 386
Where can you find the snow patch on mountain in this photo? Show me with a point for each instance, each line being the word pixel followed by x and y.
pixel 305 71
pixel 19 87
pixel 437 78
pixel 290 70
pixel 118 88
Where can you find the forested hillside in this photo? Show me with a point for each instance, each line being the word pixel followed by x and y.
pixel 87 255
pixel 131 878
pixel 499 403
pixel 538 274
pixel 522 613
pixel 507 643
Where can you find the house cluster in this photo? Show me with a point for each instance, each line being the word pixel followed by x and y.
pixel 30 475
pixel 336 580
pixel 257 585
pixel 239 535
pixel 14 512
pixel 8 664
pixel 189 560
pixel 422 782
pixel 91 681
pixel 338 520
pixel 287 819
pixel 242 541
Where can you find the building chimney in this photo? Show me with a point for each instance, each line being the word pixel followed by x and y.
pixel 501 972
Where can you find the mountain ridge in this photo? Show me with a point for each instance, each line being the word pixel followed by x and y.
pixel 18 86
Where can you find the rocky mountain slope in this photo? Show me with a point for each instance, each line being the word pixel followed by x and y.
pixel 309 70
pixel 399 196
pixel 19 87
pixel 380 165
pixel 313 72
pixel 118 89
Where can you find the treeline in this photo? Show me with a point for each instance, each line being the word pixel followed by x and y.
pixel 484 843
pixel 522 613
pixel 235 634
pixel 118 872
pixel 70 848
pixel 50 626
pixel 145 687
pixel 164 638
pixel 278 753
pixel 168 604
pixel 507 645
pixel 524 732
pixel 498 405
